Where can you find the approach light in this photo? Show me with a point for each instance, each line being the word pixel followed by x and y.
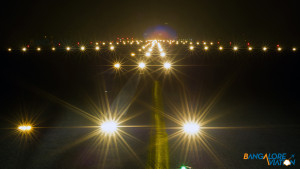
pixel 109 127
pixel 211 43
pixel 24 49
pixel 250 48
pixel 279 49
pixel 206 48
pixel 167 65
pixel 163 54
pixel 235 48
pixel 112 48
pixel 38 49
pixel 183 167
pixel 25 127
pixel 142 65
pixel 191 128
pixel 148 54
pixel 160 49
pixel 132 54
pixel 294 49
pixel 117 65
pixel 68 48
pixel 220 48
pixel 82 48
pixel 191 47
pixel 97 48
pixel 265 48
pixel 53 49
pixel 9 49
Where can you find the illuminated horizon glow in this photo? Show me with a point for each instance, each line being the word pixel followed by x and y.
pixel 160 32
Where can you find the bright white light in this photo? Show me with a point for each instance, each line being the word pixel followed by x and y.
pixel 235 48
pixel 160 49
pixel 211 43
pixel 82 48
pixel 25 128
pixel 206 48
pixel 68 48
pixel 38 49
pixel 191 128
pixel 109 127
pixel 97 48
pixel 279 49
pixel 191 47
pixel 112 48
pixel 132 54
pixel 53 49
pixel 250 48
pixel 150 50
pixel 220 48
pixel 9 49
pixel 148 54
pixel 265 48
pixel 117 65
pixel 167 65
pixel 287 162
pixel 163 54
pixel 24 49
pixel 142 65
pixel 294 49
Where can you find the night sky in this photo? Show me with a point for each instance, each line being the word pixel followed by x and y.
pixel 252 98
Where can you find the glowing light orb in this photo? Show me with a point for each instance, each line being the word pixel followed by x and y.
pixel 167 65
pixel 112 48
pixel 24 49
pixel 97 48
pixel 150 50
pixel 250 48
pixel 25 128
pixel 235 48
pixel 191 47
pixel 163 54
pixel 220 48
pixel 132 54
pixel 206 48
pixel 287 162
pixel 279 49
pixel 38 49
pixel 117 65
pixel 294 49
pixel 142 65
pixel 68 48
pixel 9 49
pixel 53 49
pixel 109 127
pixel 265 48
pixel 82 48
pixel 191 128
pixel 148 54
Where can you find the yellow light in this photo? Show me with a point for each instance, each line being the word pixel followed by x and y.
pixel 294 49
pixel 140 50
pixel 150 50
pixel 117 65
pixel 206 48
pixel 235 48
pixel 148 54
pixel 109 127
pixel 132 54
pixel 197 43
pixel 204 43
pixel 82 48
pixel 220 48
pixel 97 48
pixel 103 43
pixel 163 54
pixel 142 65
pixel 250 48
pixel 53 49
pixel 25 127
pixel 167 65
pixel 211 43
pixel 191 128
pixel 38 49
pixel 68 48
pixel 97 43
pixel 265 48
pixel 279 49
pixel 9 49
pixel 24 49
pixel 112 48
pixel 191 47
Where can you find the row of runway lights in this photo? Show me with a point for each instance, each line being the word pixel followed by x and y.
pixel 112 48
pixel 111 127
